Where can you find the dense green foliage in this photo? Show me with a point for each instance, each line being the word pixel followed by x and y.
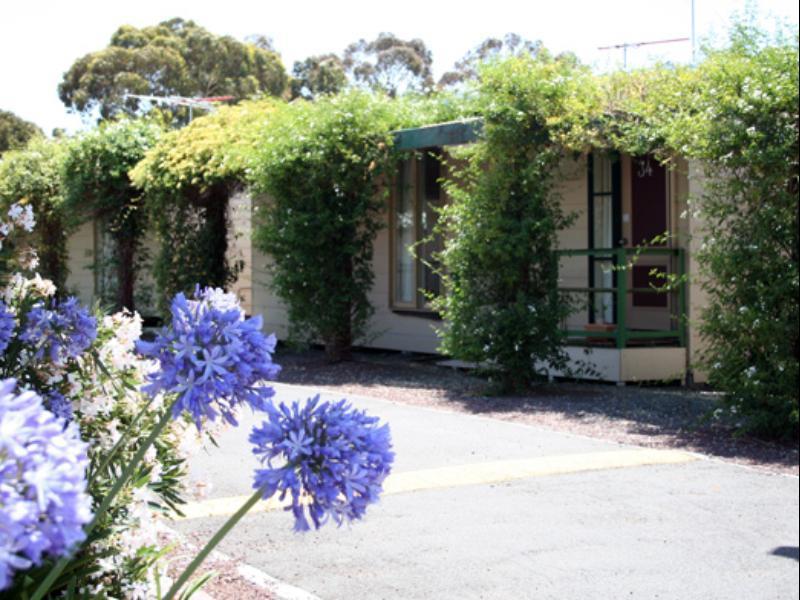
pixel 97 186
pixel 466 69
pixel 325 167
pixel 746 135
pixel 188 178
pixel 321 164
pixel 15 131
pixel 502 304
pixel 175 57
pixel 33 176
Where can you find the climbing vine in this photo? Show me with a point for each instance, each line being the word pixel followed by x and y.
pixel 324 166
pixel 32 176
pixel 97 186
pixel 736 114
pixel 188 179
pixel 502 306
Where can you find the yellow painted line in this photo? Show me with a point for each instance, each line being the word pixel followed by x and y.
pixel 473 474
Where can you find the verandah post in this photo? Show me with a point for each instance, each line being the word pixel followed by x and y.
pixel 622 296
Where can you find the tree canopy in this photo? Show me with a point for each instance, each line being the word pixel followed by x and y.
pixel 15 131
pixel 322 74
pixel 390 64
pixel 175 57
pixel 466 69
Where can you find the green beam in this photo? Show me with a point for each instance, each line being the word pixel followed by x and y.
pixel 441 134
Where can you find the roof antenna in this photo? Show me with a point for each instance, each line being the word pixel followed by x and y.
pixel 627 45
pixel 208 103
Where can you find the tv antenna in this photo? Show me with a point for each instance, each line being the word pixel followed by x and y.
pixel 624 47
pixel 208 103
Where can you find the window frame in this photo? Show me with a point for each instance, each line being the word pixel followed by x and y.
pixel 419 306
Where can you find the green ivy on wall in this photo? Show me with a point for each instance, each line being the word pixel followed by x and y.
pixel 187 180
pixel 97 186
pixel 33 176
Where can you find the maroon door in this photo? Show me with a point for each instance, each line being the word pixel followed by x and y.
pixel 648 200
pixel 649 210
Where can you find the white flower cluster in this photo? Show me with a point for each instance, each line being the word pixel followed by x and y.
pixel 119 350
pixel 19 287
pixel 20 217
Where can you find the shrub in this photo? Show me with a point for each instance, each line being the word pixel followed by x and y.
pixel 502 306
pixel 83 370
pixel 31 177
pixel 323 165
pixel 97 186
pixel 747 139
pixel 188 179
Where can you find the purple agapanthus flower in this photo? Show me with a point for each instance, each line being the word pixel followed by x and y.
pixel 43 499
pixel 334 456
pixel 61 332
pixel 212 357
pixel 57 404
pixel 7 325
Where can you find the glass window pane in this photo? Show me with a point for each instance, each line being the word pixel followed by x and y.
pixel 429 280
pixel 603 222
pixel 603 301
pixel 601 168
pixel 404 280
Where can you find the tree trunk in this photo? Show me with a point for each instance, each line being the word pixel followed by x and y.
pixel 339 343
pixel 339 347
pixel 126 273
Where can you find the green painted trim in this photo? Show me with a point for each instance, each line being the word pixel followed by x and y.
pixel 622 300
pixel 441 134
pixel 629 335
pixel 586 333
pixel 682 283
pixel 648 335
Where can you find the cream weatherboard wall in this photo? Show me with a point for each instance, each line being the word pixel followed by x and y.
pixel 83 247
pixel 397 330
pixel 80 258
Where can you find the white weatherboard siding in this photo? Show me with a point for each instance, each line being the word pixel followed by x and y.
pixel 80 257
pixel 697 298
pixel 405 331
pixel 240 246
pixel 393 330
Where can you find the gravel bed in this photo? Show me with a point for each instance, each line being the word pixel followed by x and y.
pixel 654 417
pixel 226 582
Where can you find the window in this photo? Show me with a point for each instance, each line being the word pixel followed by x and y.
pixel 417 198
pixel 604 200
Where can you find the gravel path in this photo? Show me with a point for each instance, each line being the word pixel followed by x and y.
pixel 655 417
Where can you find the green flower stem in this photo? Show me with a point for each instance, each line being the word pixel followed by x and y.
pixel 57 569
pixel 120 442
pixel 123 438
pixel 212 543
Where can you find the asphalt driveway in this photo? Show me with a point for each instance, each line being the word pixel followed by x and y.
pixel 481 508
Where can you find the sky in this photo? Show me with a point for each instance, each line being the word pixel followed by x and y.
pixel 40 40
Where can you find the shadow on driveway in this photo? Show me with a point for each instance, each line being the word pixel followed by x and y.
pixel 792 552
pixel 652 416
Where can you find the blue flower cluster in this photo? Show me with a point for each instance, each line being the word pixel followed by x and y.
pixel 6 326
pixel 331 458
pixel 212 357
pixel 59 405
pixel 60 332
pixel 43 500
